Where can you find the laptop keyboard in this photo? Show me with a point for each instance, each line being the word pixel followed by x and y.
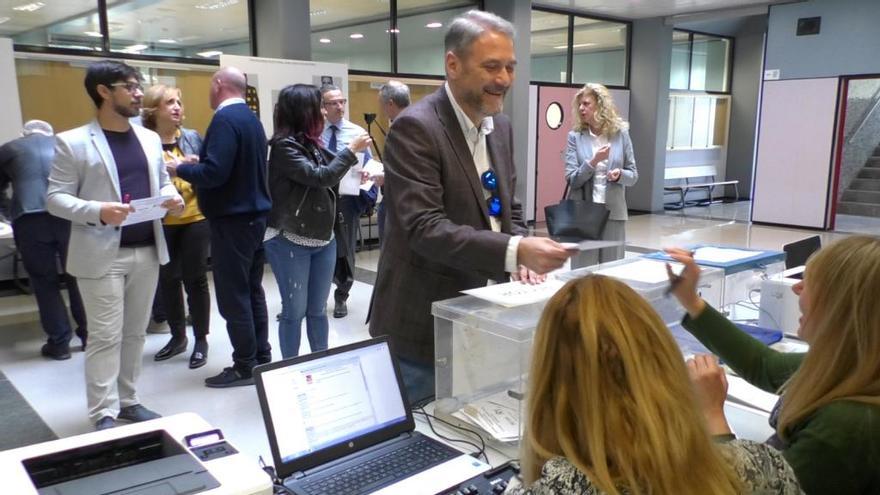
pixel 395 465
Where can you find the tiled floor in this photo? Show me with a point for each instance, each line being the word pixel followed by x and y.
pixel 56 390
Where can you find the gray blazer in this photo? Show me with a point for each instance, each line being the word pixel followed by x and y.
pixel 83 176
pixel 579 173
pixel 190 141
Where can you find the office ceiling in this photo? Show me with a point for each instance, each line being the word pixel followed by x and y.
pixel 641 9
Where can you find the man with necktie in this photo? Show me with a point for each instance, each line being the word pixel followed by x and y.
pixel 338 133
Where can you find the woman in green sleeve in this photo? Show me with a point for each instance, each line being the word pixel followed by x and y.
pixel 829 420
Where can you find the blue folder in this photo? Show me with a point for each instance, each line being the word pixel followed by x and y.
pixel 690 345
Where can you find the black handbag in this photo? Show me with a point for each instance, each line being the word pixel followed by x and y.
pixel 574 220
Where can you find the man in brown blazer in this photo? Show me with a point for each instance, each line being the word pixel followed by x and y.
pixel 447 159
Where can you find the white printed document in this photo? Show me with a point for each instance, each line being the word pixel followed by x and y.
pixel 643 270
pixel 512 294
pixel 709 254
pixel 146 209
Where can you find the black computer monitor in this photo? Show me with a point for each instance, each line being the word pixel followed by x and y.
pixel 797 253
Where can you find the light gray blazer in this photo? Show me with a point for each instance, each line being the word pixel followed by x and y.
pixel 83 176
pixel 579 173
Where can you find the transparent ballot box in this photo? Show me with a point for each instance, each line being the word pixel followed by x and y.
pixel 483 349
pixel 744 269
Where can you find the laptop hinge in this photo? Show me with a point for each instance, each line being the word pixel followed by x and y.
pixel 353 455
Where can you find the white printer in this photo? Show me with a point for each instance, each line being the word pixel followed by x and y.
pixel 779 303
pixel 172 455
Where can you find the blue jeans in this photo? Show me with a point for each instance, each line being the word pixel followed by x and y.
pixel 303 275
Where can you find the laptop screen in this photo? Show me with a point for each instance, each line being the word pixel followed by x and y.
pixel 320 401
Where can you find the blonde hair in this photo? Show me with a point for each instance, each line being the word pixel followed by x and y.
pixel 154 96
pixel 610 123
pixel 844 330
pixel 609 391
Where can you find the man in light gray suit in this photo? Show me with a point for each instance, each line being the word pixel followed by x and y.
pixel 98 169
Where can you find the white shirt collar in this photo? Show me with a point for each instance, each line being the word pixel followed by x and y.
pixel 229 101
pixel 471 132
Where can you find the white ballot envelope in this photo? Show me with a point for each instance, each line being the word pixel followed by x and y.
pixel 146 209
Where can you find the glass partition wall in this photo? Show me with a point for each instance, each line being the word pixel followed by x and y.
pixel 198 30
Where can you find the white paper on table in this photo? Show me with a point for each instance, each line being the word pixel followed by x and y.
pixel 512 294
pixel 146 209
pixel 743 391
pixel 643 270
pixel 721 255
pixel 497 415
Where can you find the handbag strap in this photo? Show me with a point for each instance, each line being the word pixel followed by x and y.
pixel 565 193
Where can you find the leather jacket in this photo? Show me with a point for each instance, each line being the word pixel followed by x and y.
pixel 302 183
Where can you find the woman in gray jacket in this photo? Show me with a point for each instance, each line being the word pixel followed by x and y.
pixel 599 163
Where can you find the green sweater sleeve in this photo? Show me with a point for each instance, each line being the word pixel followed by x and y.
pixel 748 357
pixel 837 450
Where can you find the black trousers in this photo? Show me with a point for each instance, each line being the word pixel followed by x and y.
pixel 41 238
pixel 343 274
pixel 188 246
pixel 237 259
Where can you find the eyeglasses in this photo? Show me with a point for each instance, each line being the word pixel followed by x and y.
pixel 331 103
pixel 490 183
pixel 131 87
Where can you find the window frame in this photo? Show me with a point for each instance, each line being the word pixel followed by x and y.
pixel 569 63
pixel 105 52
pixel 730 62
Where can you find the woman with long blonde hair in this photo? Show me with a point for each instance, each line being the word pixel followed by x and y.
pixel 828 421
pixel 599 164
pixel 611 408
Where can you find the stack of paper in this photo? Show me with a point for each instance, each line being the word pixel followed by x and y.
pixel 711 254
pixel 497 415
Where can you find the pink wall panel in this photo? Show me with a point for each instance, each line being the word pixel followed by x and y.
pixel 550 162
pixel 550 167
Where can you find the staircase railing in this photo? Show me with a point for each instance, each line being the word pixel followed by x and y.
pixel 865 116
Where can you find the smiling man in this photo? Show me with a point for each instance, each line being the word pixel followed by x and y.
pixel 453 222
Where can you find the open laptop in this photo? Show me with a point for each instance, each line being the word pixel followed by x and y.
pixel 338 424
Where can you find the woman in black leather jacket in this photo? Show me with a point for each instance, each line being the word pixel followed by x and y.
pixel 299 241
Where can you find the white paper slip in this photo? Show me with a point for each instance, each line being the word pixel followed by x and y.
pixel 350 185
pixel 589 245
pixel 514 294
pixel 374 168
pixel 721 255
pixel 146 209
pixel 741 390
pixel 643 270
